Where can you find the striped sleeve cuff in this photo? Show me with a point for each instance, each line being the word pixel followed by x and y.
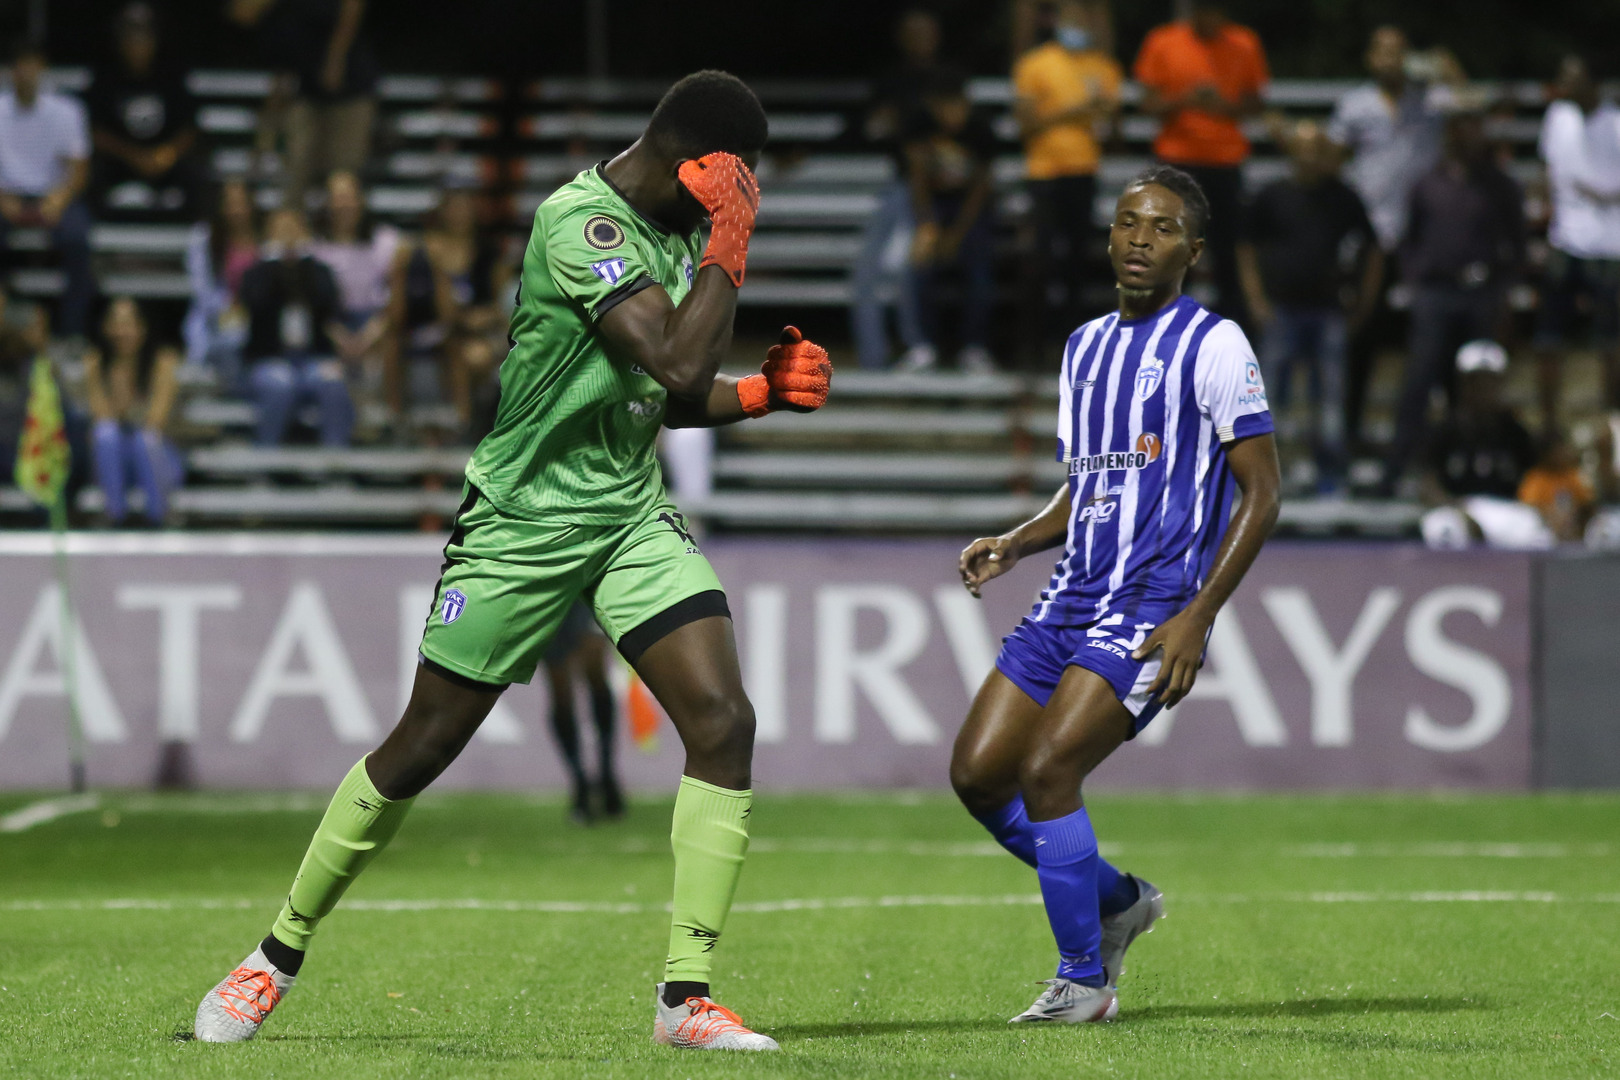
pixel 1246 425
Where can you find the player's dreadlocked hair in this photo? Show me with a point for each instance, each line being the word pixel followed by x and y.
pixel 1173 179
pixel 708 111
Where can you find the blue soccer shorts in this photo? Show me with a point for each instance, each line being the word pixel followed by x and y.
pixel 1035 655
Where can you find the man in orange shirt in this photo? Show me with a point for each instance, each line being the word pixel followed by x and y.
pixel 1066 90
pixel 1202 77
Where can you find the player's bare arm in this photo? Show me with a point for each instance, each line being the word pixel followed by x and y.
pixel 682 345
pixel 991 556
pixel 1182 636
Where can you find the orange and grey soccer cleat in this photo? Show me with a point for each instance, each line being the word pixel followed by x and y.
pixel 233 1010
pixel 700 1024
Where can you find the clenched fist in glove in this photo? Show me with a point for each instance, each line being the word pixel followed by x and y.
pixel 725 187
pixel 796 376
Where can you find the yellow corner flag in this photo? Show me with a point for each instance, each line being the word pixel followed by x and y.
pixel 42 455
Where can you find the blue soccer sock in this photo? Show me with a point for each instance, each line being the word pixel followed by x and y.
pixel 1010 826
pixel 1066 863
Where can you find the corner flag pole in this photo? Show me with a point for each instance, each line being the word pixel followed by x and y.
pixel 66 634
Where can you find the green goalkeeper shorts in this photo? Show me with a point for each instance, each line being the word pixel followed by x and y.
pixel 507 585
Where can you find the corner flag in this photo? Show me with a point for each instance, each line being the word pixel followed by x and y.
pixel 42 454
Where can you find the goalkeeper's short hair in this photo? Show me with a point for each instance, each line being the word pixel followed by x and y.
pixel 705 112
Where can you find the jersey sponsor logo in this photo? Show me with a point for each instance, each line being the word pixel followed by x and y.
pixel 1148 448
pixel 609 270
pixel 455 602
pixel 1100 511
pixel 1108 646
pixel 603 233
pixel 1148 378
pixel 1085 384
pixel 1254 392
pixel 686 269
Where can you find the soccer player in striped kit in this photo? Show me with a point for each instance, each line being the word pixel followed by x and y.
pixel 1163 413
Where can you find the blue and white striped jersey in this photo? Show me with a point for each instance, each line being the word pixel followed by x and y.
pixel 1146 407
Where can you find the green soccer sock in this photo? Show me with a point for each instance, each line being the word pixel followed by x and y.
pixel 710 837
pixel 359 822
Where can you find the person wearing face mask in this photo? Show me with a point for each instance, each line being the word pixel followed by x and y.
pixel 293 310
pixel 1067 93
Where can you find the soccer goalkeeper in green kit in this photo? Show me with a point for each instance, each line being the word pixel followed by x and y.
pixel 623 317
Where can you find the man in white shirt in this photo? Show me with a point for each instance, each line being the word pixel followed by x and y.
pixel 44 163
pixel 1580 144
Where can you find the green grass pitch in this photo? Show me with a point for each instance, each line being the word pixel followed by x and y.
pixel 875 935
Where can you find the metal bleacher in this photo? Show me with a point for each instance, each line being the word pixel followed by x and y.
pixel 942 452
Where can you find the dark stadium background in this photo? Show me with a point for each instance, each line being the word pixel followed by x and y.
pixel 1304 38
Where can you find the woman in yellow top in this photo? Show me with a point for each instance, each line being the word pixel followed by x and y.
pixel 131 389
pixel 1067 92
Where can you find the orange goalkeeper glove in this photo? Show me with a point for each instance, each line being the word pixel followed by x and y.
pixel 796 376
pixel 725 187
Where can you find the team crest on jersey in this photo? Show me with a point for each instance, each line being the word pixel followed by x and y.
pixel 603 233
pixel 1148 377
pixel 609 270
pixel 455 602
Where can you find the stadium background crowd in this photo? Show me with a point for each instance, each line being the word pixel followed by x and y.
pixel 279 262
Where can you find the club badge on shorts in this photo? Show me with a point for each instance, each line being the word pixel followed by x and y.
pixel 455 602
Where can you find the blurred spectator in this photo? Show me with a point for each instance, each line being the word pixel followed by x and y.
pixel 1202 77
pixel 1580 142
pixel 18 347
pixel 130 386
pixel 218 255
pixel 1464 246
pixel 1558 491
pixel 1477 461
pixel 24 333
pixel 333 75
pixel 361 255
pixel 949 154
pixel 143 124
pixel 450 303
pixel 293 308
pixel 1391 129
pixel 879 273
pixel 44 164
pixel 1067 91
pixel 1306 239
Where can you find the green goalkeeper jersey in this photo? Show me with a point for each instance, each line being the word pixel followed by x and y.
pixel 573 438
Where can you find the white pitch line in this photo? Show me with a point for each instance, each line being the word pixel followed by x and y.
pixel 767 907
pixel 38 813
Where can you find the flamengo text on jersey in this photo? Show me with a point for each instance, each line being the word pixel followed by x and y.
pixel 1090 463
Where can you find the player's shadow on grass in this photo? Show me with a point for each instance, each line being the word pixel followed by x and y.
pixel 1215 1010
pixel 1301 1007
pixel 856 1028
